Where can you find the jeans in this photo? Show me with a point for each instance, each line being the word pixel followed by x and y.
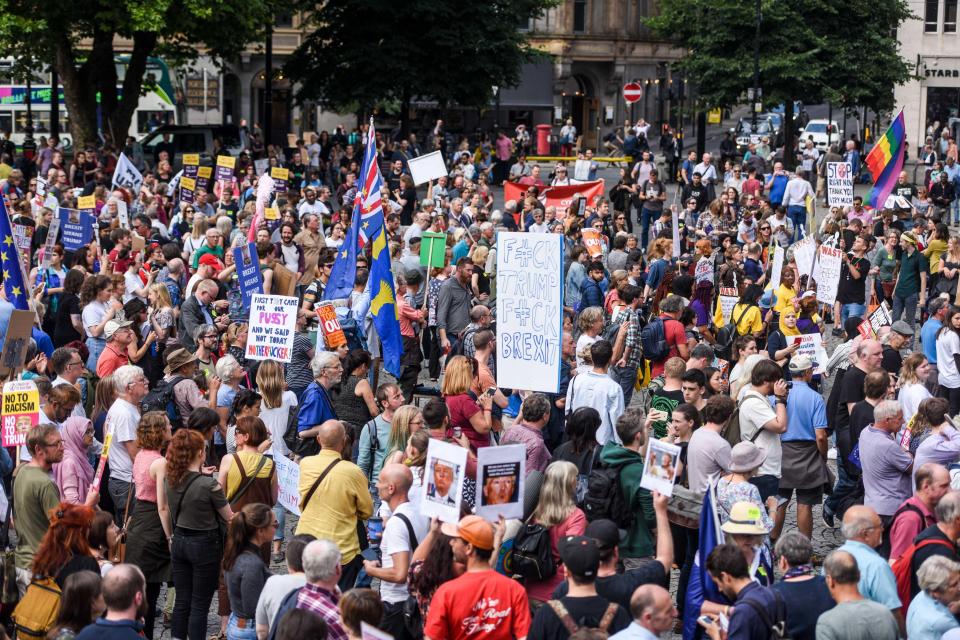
pixel 908 304
pixel 798 215
pixel 235 632
pixel 647 216
pixel 845 485
pixel 693 544
pixel 95 346
pixel 118 493
pixel 626 377
pixel 955 207
pixel 281 515
pixel 852 310
pixel 195 566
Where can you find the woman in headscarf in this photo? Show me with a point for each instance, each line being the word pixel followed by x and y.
pixel 74 473
pixel 781 344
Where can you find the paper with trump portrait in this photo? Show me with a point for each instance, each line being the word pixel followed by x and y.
pixel 443 481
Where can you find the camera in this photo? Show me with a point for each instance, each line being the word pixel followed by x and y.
pixel 789 386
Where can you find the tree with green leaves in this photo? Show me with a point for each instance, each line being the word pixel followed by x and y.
pixel 810 50
pixel 80 41
pixel 365 54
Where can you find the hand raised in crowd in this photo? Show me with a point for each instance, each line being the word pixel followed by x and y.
pixel 780 389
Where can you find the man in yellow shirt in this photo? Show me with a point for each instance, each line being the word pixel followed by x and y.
pixel 334 497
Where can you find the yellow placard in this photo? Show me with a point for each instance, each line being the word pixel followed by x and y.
pixel 21 411
pixel 271 213
pixel 190 184
pixel 86 202
pixel 279 173
pixel 191 159
pixel 714 116
pixel 226 161
pixel 204 172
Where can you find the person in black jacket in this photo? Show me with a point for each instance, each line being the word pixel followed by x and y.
pixel 591 295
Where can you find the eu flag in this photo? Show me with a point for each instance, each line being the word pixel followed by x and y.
pixel 701 586
pixel 13 280
pixel 344 271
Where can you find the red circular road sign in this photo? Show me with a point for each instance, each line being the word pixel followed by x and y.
pixel 632 92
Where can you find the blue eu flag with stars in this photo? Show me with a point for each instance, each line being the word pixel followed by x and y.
pixel 13 281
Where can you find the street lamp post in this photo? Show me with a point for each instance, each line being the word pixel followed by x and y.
pixel 29 146
pixel 756 70
pixel 268 86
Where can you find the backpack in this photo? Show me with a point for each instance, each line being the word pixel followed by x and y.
pixel 604 499
pixel 161 398
pixel 731 430
pixel 533 553
pixel 37 610
pixel 616 334
pixel 457 349
pixel 777 627
pixel 727 335
pixel 653 340
pixel 572 627
pixel 903 568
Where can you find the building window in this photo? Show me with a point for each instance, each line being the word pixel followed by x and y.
pixel 524 23
pixel 950 16
pixel 580 15
pixel 283 20
pixel 930 16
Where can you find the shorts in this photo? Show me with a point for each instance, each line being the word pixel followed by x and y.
pixel 767 485
pixel 808 497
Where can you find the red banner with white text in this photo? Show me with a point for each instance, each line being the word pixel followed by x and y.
pixel 560 197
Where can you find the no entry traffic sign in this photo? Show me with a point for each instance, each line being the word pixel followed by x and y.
pixel 632 92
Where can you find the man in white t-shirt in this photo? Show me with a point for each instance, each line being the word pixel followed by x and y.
pixel 277 586
pixel 762 425
pixel 396 546
pixel 122 420
pixel 310 204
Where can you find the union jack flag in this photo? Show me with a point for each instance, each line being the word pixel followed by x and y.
pixel 368 192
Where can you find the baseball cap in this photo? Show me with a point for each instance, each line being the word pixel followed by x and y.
pixel 606 533
pixel 580 555
pixel 211 260
pixel 113 326
pixel 472 529
pixel 902 328
pixel 800 363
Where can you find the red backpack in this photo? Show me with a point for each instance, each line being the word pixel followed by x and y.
pixel 903 569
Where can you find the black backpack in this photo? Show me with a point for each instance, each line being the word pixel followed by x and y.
pixel 161 398
pixel 777 625
pixel 604 500
pixel 727 335
pixel 533 553
pixel 653 339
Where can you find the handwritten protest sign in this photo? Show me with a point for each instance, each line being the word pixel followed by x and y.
pixel 804 253
pixel 703 271
pixel 248 272
pixel 280 177
pixel 811 345
pixel 529 310
pixel 225 166
pixel 52 232
pixel 778 255
pixel 333 335
pixel 288 483
pixel 77 228
pixel 21 411
pixel 728 299
pixel 500 474
pixel 593 242
pixel 23 238
pixel 273 321
pixel 829 262
pixel 675 230
pixel 839 184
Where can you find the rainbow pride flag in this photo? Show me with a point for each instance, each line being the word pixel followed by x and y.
pixel 885 162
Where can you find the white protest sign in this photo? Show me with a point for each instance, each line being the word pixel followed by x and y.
pixel 122 214
pixel 778 255
pixel 273 321
pixel 52 230
pixel 261 166
pixel 127 175
pixel 811 345
pixel 839 184
pixel 703 271
pixel 500 474
pixel 427 167
pixel 660 467
pixel 288 483
pixel 803 253
pixel 728 299
pixel 829 262
pixel 529 310
pixel 675 229
pixel 443 481
pixel 880 318
pixel 581 170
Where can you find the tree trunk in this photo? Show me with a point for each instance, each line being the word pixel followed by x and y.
pixel 119 122
pixel 79 96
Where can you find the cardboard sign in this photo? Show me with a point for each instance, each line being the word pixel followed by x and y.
pixel 87 203
pixel 225 167
pixel 273 323
pixel 660 467
pixel 22 238
pixel 529 310
pixel 443 481
pixel 592 241
pixel 284 281
pixel 839 184
pixel 500 479
pixel 19 332
pixel 288 483
pixel 248 273
pixel 333 334
pixel 280 178
pixel 433 249
pixel 187 188
pixel 427 167
pixel 829 263
pixel 21 411
pixel 728 299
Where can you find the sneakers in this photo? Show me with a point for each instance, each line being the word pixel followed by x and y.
pixel 827 517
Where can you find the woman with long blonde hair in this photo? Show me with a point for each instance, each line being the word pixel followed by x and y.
pixel 469 414
pixel 278 407
pixel 913 390
pixel 557 511
pixel 406 421
pixel 194 240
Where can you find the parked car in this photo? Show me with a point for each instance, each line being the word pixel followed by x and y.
pixel 744 133
pixel 194 139
pixel 817 129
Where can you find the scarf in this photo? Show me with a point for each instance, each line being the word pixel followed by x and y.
pixel 787 331
pixel 74 452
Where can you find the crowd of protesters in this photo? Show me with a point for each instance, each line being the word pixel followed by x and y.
pixel 138 354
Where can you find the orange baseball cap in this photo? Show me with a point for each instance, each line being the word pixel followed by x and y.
pixel 472 529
